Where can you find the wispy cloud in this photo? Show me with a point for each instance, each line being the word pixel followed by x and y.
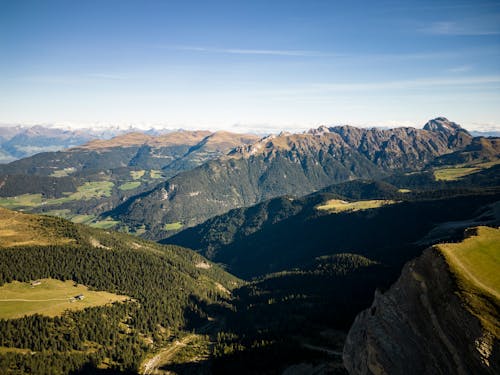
pixel 270 52
pixel 70 79
pixel 410 84
pixel 417 55
pixel 425 83
pixel 106 76
pixel 480 27
pixel 460 69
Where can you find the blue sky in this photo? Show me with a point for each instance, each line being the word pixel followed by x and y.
pixel 261 65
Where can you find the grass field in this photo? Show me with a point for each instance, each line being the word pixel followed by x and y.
pixel 63 172
pixel 50 298
pixel 24 200
pixel 104 224
pixel 82 219
pixel 476 264
pixel 68 215
pixel 94 189
pixel 137 174
pixel 130 185
pixel 17 229
pixel 89 190
pixel 173 226
pixel 461 170
pixel 337 205
pixel 452 174
pixel 155 174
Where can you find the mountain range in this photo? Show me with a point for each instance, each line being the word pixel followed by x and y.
pixel 269 253
pixel 295 164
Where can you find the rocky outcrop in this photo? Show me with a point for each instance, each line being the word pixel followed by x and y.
pixel 421 325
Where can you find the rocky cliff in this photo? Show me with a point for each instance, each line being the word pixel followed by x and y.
pixel 440 317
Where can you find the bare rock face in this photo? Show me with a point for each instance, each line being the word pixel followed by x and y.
pixel 421 326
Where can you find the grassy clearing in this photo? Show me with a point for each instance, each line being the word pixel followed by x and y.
pixel 64 213
pixel 453 174
pixel 95 189
pixel 82 219
pixel 130 185
pixel 404 191
pixel 68 215
pixel 89 190
pixel 63 172
pixel 25 200
pixel 50 298
pixel 476 264
pixel 137 174
pixel 107 223
pixel 139 230
pixel 155 174
pixel 461 170
pixel 173 226
pixel 17 229
pixel 337 205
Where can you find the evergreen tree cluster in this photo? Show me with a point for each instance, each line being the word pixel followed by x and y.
pixel 168 294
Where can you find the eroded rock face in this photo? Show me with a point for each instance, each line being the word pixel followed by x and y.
pixel 421 326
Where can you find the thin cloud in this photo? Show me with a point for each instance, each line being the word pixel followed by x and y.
pixel 460 69
pixel 105 76
pixel 71 79
pixel 322 91
pixel 270 52
pixel 418 55
pixel 410 84
pixel 459 29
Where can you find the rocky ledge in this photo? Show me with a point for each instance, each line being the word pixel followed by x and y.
pixel 425 324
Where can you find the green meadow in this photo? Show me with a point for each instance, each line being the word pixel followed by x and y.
pixel 476 264
pixel 50 298
pixel 337 205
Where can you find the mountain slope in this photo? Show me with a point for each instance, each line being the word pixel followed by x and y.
pixel 138 150
pixel 284 233
pixel 83 182
pixel 170 290
pixel 286 164
pixel 480 150
pixel 441 316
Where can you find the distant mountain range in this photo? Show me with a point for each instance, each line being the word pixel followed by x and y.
pixel 18 142
pixel 295 164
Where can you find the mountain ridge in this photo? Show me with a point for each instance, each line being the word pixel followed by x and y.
pixel 287 164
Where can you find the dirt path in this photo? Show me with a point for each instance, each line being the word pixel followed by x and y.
pixel 151 365
pixel 323 349
pixel 34 300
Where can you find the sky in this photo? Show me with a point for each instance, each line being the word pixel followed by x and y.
pixel 249 65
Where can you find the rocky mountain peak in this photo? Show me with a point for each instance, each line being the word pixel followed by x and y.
pixel 442 124
pixel 319 131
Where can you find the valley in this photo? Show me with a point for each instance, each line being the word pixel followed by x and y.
pixel 249 187
pixel 267 249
